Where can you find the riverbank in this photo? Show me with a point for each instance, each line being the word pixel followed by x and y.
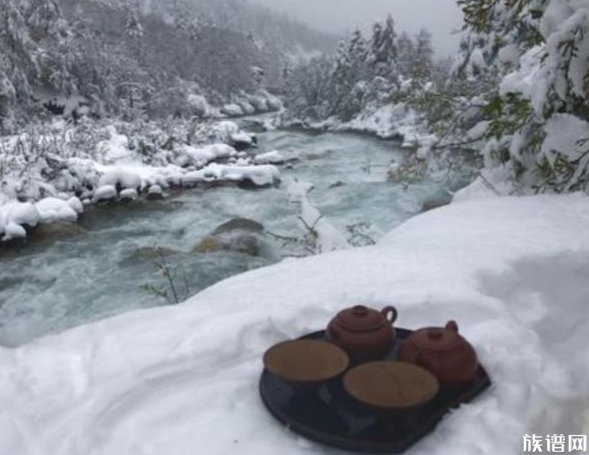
pixel 397 122
pixel 51 172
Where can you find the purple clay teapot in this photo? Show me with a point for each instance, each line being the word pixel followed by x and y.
pixel 443 352
pixel 365 334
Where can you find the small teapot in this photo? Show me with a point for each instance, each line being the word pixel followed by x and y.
pixel 442 351
pixel 365 334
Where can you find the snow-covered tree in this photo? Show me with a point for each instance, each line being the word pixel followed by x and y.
pixel 423 55
pixel 383 48
pixel 538 122
pixel 405 53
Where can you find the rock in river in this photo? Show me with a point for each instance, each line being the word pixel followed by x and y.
pixel 239 234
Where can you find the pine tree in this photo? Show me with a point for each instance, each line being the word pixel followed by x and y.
pixel 423 56
pixel 405 53
pixel 384 48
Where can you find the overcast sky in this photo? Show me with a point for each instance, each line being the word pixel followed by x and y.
pixel 441 17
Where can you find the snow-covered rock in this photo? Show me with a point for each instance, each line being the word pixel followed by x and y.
pixel 232 110
pixel 128 195
pixel 76 204
pixel 246 107
pixel 13 231
pixel 199 105
pixel 241 140
pixel 273 157
pixel 155 192
pixel 52 209
pixel 20 213
pixel 105 193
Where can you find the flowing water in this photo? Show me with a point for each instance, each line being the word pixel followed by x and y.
pixel 100 273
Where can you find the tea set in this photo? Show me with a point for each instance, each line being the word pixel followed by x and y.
pixel 361 364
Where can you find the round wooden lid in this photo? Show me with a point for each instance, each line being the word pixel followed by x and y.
pixel 390 384
pixel 305 360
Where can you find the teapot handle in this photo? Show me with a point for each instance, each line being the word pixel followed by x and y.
pixel 451 325
pixel 392 311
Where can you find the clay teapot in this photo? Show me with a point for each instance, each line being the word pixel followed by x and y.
pixel 442 351
pixel 365 334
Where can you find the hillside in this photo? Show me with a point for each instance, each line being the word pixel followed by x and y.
pixel 143 58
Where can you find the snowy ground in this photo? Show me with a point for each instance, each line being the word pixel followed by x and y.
pixel 178 380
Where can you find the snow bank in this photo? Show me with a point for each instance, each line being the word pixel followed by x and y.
pixel 262 175
pixel 15 216
pixel 511 271
pixel 390 121
pixel 119 166
pixel 394 121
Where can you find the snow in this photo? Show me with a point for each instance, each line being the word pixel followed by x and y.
pixel 76 204
pixel 390 121
pixel 13 231
pixel 155 190
pixel 14 215
pixel 298 190
pixel 225 129
pixel 328 237
pixel 242 137
pixel 111 164
pixel 385 122
pixel 105 193
pixel 52 209
pixel 563 135
pixel 20 213
pixel 116 148
pixel 325 236
pixel 232 110
pixel 120 177
pixel 261 175
pixel 272 157
pixel 511 271
pixel 203 155
pixel 129 195
pixel 199 105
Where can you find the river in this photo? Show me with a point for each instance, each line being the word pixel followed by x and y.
pixel 99 274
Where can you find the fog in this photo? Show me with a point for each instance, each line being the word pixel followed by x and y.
pixel 441 17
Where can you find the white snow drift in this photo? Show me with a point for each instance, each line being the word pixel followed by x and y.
pixel 178 380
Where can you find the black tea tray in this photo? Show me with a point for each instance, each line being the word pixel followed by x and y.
pixel 329 416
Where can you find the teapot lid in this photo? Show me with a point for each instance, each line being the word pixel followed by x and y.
pixel 360 319
pixel 438 338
